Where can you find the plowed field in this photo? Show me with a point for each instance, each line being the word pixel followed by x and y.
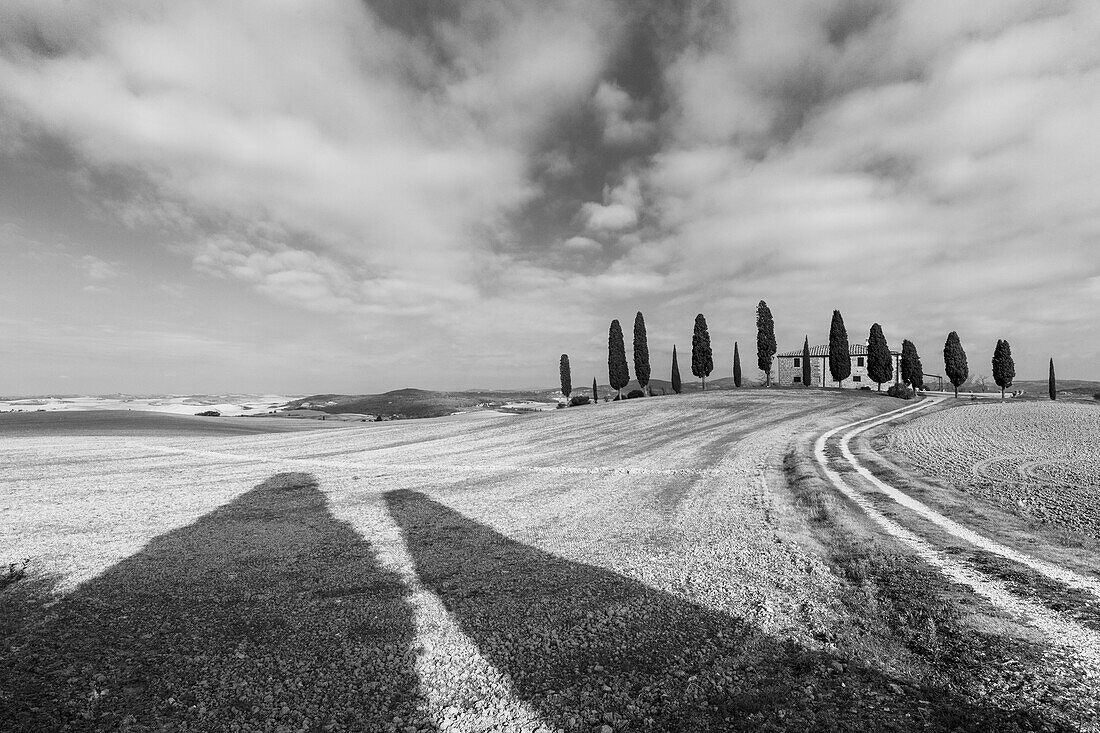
pixel 1040 458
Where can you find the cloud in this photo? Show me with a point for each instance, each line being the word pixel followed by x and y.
pixel 316 117
pixel 496 172
pixel 926 159
pixel 624 120
pixel 96 269
pixel 619 210
pixel 582 243
pixel 319 282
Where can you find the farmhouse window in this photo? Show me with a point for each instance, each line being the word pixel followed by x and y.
pixel 798 361
pixel 857 378
pixel 859 361
pixel 797 378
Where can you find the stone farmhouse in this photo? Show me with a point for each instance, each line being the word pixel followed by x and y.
pixel 790 368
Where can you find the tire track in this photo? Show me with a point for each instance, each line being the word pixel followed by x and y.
pixel 1066 633
pixel 966 534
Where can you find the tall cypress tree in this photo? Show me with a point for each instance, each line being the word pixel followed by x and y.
pixel 840 357
pixel 912 371
pixel 736 366
pixel 641 353
pixel 765 341
pixel 617 371
pixel 1004 369
pixel 702 359
pixel 806 362
pixel 1052 388
pixel 677 386
pixel 595 394
pixel 566 377
pixel 954 361
pixel 879 366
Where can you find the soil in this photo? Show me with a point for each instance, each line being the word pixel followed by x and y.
pixel 641 565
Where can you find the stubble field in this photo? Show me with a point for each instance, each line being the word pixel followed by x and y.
pixel 1041 459
pixel 644 565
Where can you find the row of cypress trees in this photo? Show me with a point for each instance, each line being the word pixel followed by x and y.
pixel 702 359
pixel 879 360
pixel 702 354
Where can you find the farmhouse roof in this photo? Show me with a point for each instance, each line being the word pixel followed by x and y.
pixel 823 350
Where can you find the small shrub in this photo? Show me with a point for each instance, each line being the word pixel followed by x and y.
pixel 208 413
pixel 901 391
pixel 635 393
pixel 580 399
pixel 865 388
pixel 1096 396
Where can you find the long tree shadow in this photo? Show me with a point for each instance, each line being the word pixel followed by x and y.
pixel 267 613
pixel 588 647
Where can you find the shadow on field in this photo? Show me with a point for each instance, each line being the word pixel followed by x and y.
pixel 267 612
pixel 587 647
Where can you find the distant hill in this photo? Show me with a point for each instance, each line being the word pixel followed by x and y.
pixel 1077 388
pixel 414 403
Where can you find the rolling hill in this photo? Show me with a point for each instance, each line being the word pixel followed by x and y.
pixel 414 403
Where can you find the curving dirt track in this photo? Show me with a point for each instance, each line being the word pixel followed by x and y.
pixel 929 533
pixel 629 566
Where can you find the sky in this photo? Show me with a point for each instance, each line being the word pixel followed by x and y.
pixel 315 196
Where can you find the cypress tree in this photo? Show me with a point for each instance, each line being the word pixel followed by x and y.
pixel 912 371
pixel 676 385
pixel 702 360
pixel 595 394
pixel 840 357
pixel 1051 386
pixel 736 366
pixel 765 341
pixel 954 361
pixel 566 377
pixel 806 362
pixel 641 353
pixel 879 367
pixel 617 370
pixel 1004 369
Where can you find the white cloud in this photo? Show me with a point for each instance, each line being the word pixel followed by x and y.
pixel 624 120
pixel 924 163
pixel 582 243
pixel 618 212
pixel 311 115
pixel 96 269
pixel 932 163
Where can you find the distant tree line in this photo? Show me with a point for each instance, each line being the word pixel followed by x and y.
pixel 880 363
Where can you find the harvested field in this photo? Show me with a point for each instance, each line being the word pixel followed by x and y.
pixel 640 565
pixel 1039 458
pixel 124 422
